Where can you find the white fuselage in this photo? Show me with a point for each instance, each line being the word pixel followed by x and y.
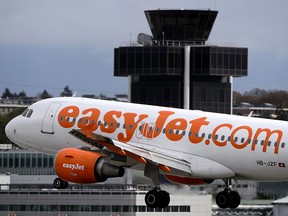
pixel 251 148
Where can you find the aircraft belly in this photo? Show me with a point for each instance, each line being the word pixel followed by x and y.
pixel 206 168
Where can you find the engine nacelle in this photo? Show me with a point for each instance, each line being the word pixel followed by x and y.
pixel 187 180
pixel 79 166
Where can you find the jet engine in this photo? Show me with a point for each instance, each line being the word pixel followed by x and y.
pixel 187 180
pixel 80 166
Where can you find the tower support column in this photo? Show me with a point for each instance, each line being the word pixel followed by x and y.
pixel 186 88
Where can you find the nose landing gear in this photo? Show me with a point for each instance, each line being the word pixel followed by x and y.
pixel 228 198
pixel 60 184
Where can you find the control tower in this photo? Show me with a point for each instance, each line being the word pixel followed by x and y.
pixel 175 66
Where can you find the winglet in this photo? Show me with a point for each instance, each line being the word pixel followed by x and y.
pixel 250 114
pixel 75 94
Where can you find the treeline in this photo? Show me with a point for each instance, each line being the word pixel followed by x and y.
pixel 258 97
pixel 67 92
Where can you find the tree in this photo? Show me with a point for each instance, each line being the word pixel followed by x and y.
pixel 256 96
pixel 22 94
pixel 66 92
pixel 44 95
pixel 7 93
pixel 237 97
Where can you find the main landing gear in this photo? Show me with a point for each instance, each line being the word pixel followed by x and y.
pixel 157 198
pixel 228 198
pixel 60 184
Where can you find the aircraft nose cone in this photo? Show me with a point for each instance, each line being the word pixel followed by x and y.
pixel 10 129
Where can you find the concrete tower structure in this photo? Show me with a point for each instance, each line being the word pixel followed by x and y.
pixel 176 67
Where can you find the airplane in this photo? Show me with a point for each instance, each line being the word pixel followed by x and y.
pixel 94 140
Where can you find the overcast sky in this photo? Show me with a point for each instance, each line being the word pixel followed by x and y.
pixel 52 43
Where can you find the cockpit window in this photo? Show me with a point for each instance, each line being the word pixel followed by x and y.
pixel 27 113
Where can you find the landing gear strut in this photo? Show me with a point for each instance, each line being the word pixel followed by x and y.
pixel 157 198
pixel 60 184
pixel 228 198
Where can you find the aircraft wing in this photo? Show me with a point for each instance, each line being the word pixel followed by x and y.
pixel 165 159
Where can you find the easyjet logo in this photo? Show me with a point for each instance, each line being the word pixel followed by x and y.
pixel 175 129
pixel 73 166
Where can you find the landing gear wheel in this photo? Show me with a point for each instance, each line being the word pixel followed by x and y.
pixel 228 199
pixel 164 199
pixel 234 199
pixel 151 199
pixel 60 184
pixel 157 199
pixel 222 199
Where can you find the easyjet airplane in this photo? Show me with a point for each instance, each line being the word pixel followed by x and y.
pixel 186 146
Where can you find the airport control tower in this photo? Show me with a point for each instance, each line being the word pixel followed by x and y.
pixel 175 67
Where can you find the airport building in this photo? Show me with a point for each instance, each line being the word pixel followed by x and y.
pixel 26 188
pixel 176 67
pixel 105 201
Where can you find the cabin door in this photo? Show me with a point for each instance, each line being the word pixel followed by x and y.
pixel 49 118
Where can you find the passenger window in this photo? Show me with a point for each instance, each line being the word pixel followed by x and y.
pixel 276 144
pixel 203 135
pixel 209 136
pixel 269 143
pixel 262 142
pixel 236 138
pixel 243 140
pixel 183 133
pixel 283 145
pixel 222 137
